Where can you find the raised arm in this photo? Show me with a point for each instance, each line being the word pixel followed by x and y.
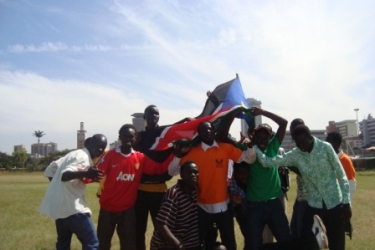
pixel 280 134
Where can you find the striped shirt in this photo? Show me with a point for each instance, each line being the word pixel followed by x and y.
pixel 179 211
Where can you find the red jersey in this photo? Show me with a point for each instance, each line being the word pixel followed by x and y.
pixel 123 175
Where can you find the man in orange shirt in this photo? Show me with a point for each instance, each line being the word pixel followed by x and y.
pixel 212 158
pixel 335 139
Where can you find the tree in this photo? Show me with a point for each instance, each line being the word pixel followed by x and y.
pixel 39 134
pixel 20 157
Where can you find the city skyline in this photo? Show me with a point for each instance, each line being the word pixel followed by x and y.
pixel 63 62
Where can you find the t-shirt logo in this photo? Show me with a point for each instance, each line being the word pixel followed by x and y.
pixel 219 163
pixel 136 166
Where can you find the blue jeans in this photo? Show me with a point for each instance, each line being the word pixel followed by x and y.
pixel 79 224
pixel 270 212
pixel 299 208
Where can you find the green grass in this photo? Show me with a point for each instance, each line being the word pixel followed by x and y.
pixel 23 227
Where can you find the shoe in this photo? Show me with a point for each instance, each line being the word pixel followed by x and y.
pixel 320 232
pixel 349 229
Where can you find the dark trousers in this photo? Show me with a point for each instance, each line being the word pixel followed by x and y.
pixel 296 222
pixel 146 202
pixel 269 212
pixel 124 223
pixel 223 221
pixel 332 221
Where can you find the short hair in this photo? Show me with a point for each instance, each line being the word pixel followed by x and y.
pixel 127 126
pixel 87 141
pixel 334 137
pixel 302 130
pixel 147 109
pixel 295 123
pixel 186 164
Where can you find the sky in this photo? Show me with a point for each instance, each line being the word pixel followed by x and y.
pixel 98 62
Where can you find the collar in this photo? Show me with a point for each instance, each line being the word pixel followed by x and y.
pixel 88 153
pixel 339 154
pixel 118 150
pixel 206 146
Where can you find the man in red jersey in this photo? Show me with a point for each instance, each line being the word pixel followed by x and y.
pixel 123 168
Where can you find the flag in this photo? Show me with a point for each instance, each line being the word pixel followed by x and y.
pixel 189 130
pixel 225 96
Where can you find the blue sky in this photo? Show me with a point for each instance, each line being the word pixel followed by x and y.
pixel 63 62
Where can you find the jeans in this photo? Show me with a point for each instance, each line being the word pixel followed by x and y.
pixel 124 223
pixel 269 212
pixel 299 208
pixel 79 224
pixel 146 202
pixel 223 221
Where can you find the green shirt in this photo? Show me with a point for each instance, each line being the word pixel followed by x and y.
pixel 321 170
pixel 264 183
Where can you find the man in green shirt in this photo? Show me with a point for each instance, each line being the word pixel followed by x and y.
pixel 264 188
pixel 325 181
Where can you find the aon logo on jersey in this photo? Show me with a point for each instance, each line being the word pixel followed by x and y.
pixel 125 177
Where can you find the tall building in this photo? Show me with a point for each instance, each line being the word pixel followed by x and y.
pixel 258 119
pixel 19 148
pixel 81 135
pixel 43 149
pixel 367 128
pixel 138 121
pixel 345 128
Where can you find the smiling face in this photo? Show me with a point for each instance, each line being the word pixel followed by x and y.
pixel 127 137
pixel 189 174
pixel 262 138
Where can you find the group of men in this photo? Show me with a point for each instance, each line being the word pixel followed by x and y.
pixel 135 184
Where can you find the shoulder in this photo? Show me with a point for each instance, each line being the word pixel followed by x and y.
pixel 173 192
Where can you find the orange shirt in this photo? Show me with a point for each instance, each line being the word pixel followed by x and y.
pixel 347 163
pixel 213 170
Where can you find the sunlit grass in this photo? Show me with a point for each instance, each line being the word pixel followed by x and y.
pixel 23 227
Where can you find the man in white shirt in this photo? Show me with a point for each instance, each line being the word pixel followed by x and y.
pixel 64 199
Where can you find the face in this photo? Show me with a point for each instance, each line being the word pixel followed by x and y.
pixel 304 142
pixel 127 137
pixel 335 145
pixel 206 132
pixel 190 174
pixel 99 149
pixel 152 116
pixel 262 138
pixel 241 175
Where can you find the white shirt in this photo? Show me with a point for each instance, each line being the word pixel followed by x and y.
pixel 65 198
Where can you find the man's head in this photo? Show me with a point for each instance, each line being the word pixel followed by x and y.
pixel 262 136
pixel 303 138
pixel 335 139
pixel 151 115
pixel 241 172
pixel 96 145
pixel 189 173
pixel 127 136
pixel 294 124
pixel 206 132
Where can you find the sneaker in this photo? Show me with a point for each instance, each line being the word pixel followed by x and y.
pixel 319 230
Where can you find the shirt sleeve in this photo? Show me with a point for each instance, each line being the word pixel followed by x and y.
pixel 278 160
pixel 340 175
pixel 248 156
pixel 174 166
pixel 152 167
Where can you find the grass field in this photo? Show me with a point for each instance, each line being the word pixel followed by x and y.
pixel 23 227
